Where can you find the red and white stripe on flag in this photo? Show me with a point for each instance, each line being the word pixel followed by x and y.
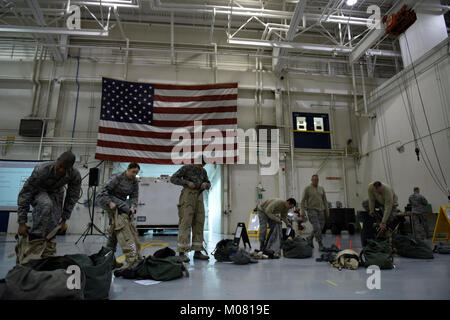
pixel 142 122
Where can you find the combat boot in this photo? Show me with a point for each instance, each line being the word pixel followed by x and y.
pixel 200 256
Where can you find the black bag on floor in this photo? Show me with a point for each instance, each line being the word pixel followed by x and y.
pixel 98 271
pixel 159 269
pixel 297 248
pixel 164 253
pixel 242 257
pixel 410 247
pixel 442 248
pixel 44 279
pixel 224 249
pixel 377 253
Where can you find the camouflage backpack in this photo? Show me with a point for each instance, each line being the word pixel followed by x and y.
pixel 224 249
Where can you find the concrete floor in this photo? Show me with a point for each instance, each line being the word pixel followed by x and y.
pixel 295 279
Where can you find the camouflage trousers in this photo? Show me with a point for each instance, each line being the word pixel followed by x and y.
pixel 47 210
pixel 317 219
pixel 123 231
pixel 264 220
pixel 420 225
pixel 191 215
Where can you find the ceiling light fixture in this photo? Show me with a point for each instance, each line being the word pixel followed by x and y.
pixel 351 2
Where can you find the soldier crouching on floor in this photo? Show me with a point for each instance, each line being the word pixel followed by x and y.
pixel 44 191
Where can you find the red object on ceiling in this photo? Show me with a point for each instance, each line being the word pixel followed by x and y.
pixel 399 22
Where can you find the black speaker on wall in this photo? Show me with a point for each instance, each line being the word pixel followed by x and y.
pixel 31 127
pixel 94 174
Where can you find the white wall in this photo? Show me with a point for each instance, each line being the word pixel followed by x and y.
pixel 391 128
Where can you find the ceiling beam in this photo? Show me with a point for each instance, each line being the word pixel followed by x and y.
pixel 55 31
pixel 39 17
pixel 296 18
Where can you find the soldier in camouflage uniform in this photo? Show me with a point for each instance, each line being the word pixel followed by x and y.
pixel 315 201
pixel 418 210
pixel 191 212
pixel 388 200
pixel 113 198
pixel 44 191
pixel 267 214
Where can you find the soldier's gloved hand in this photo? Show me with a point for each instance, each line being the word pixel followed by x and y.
pixel 23 229
pixel 112 205
pixel 204 185
pixel 383 226
pixel 191 185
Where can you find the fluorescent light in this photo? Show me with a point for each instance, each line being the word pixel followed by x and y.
pixel 351 2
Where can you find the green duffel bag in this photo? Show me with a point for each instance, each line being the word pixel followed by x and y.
pixel 45 279
pixel 160 269
pixel 410 247
pixel 98 271
pixel 224 249
pixel 297 248
pixel 378 253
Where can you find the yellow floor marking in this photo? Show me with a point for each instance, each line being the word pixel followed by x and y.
pixel 334 284
pixel 143 246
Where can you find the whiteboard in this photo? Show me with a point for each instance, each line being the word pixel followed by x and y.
pixel 158 199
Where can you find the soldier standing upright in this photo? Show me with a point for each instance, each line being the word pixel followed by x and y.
pixel 418 209
pixel 315 201
pixel 191 212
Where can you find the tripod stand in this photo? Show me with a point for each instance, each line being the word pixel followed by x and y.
pixel 91 224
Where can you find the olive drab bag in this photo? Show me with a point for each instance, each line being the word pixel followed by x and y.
pixel 410 247
pixel 377 253
pixel 297 248
pixel 98 271
pixel 45 279
pixel 159 269
pixel 224 249
pixel 242 257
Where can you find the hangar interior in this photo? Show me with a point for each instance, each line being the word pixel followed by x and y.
pixel 367 99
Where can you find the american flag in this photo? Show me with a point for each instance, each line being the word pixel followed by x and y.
pixel 137 121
